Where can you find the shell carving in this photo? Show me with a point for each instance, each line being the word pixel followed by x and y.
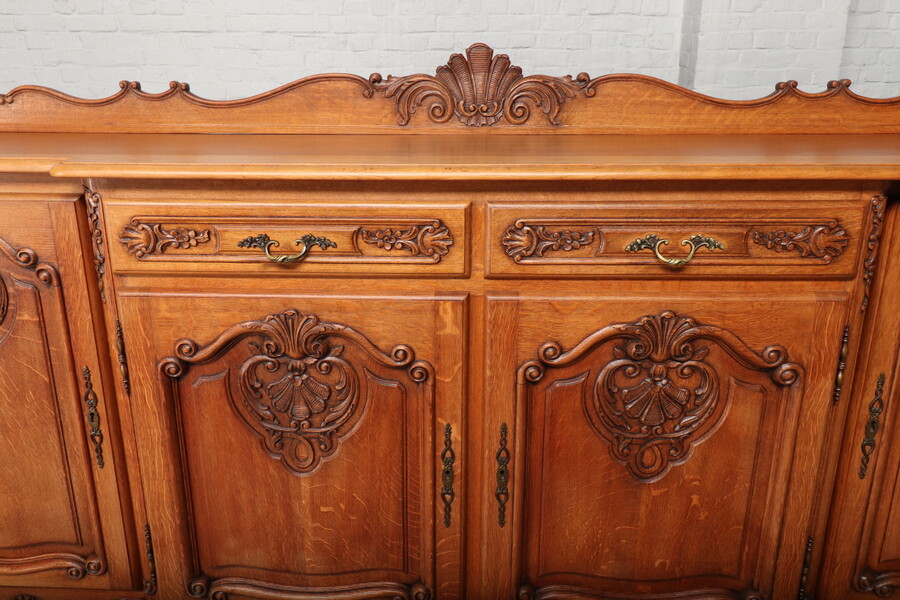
pixel 480 89
pixel 657 390
pixel 479 84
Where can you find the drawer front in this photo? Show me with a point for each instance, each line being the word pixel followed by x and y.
pixel 643 239
pixel 344 239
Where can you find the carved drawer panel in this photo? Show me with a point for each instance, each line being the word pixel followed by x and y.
pixel 705 239
pixel 296 239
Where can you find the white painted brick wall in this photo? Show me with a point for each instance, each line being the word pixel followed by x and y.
pixel 746 46
pixel 235 48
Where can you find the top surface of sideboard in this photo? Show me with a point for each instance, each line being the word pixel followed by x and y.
pixel 449 157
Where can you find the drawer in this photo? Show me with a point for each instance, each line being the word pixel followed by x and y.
pixel 246 238
pixel 766 239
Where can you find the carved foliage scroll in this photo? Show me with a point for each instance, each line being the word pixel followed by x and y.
pixel 427 240
pixel 826 241
pixel 4 300
pixel 479 89
pixel 141 238
pixel 222 589
pixel 296 390
pixel 523 240
pixel 659 391
pixel 93 210
pixel 879 204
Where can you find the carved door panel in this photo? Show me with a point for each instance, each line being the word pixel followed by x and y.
pixel 862 551
pixel 60 514
pixel 657 446
pixel 877 564
pixel 302 440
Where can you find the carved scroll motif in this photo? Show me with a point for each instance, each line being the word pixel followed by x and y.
pixel 141 238
pixel 26 258
pixel 296 390
pixel 557 592
pixel 825 241
pixel 4 300
pixel 221 589
pixel 480 89
pixel 879 204
pixel 93 210
pixel 882 585
pixel 431 240
pixel 523 240
pixel 659 393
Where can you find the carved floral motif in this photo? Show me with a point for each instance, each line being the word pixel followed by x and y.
pixel 430 240
pixel 825 241
pixel 141 238
pixel 524 241
pixel 296 390
pixel 479 89
pixel 659 394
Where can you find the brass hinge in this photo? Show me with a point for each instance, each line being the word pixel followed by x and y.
pixel 150 584
pixel 804 574
pixel 123 359
pixel 842 366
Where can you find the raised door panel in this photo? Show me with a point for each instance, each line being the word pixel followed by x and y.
pixel 862 549
pixel 661 445
pixel 303 445
pixel 58 509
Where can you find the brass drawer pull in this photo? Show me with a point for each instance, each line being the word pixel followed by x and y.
pixel 263 242
pixel 653 242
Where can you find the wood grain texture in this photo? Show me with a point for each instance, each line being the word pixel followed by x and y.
pixel 622 428
pixel 52 532
pixel 439 156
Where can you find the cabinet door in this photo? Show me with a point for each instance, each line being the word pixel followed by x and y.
pixel 660 446
pixel 60 506
pixel 295 443
pixel 862 549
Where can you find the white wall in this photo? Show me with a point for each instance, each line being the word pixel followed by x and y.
pixel 235 48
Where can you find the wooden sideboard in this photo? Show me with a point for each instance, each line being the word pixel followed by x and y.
pixel 466 335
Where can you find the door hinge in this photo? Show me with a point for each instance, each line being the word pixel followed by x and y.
pixel 123 359
pixel 150 584
pixel 842 366
pixel 804 574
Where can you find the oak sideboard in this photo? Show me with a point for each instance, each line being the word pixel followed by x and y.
pixel 477 334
